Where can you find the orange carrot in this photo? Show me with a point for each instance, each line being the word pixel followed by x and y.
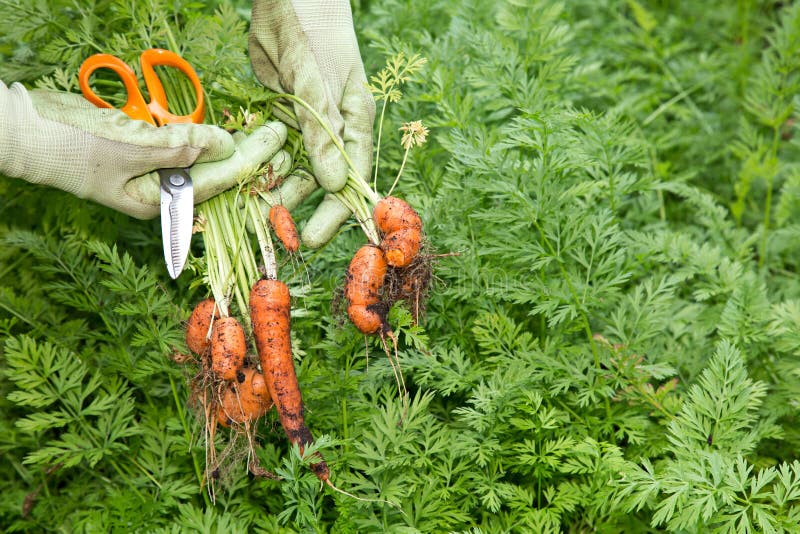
pixel 283 224
pixel 269 312
pixel 402 229
pixel 369 318
pixel 245 400
pixel 365 275
pixel 401 246
pixel 228 347
pixel 362 289
pixel 392 214
pixel 197 331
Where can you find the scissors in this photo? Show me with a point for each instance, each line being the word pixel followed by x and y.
pixel 177 193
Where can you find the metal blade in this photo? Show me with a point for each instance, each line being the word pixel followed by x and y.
pixel 177 214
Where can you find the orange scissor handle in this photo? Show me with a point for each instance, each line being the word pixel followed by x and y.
pixel 158 99
pixel 156 112
pixel 135 107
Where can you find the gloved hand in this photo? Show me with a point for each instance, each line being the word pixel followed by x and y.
pixel 61 140
pixel 308 48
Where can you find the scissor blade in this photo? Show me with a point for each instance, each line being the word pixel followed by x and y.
pixel 177 214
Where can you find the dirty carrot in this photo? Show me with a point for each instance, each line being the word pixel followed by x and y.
pixel 401 246
pixel 244 400
pixel 402 229
pixel 199 328
pixel 228 347
pixel 365 276
pixel 269 312
pixel 283 224
pixel 392 214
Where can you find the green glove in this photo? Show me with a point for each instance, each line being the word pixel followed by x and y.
pixel 308 48
pixel 61 140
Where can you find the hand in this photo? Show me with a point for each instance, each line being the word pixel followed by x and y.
pixel 308 48
pixel 61 140
pixel 214 177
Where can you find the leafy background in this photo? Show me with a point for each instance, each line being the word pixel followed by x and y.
pixel 614 348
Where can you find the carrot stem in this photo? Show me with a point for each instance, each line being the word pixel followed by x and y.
pixel 400 172
pixel 264 240
pixel 378 144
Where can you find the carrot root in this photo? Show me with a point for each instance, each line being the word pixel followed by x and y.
pixel 199 326
pixel 392 214
pixel 246 400
pixel 269 311
pixel 228 348
pixel 365 276
pixel 401 246
pixel 284 227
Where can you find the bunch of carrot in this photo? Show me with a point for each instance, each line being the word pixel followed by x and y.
pixel 243 393
pixel 242 389
pixel 234 388
pixel 245 389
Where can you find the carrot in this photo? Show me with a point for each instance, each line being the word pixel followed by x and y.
pixel 392 214
pixel 198 329
pixel 401 246
pixel 369 318
pixel 228 347
pixel 269 312
pixel 245 400
pixel 283 224
pixel 365 276
pixel 402 229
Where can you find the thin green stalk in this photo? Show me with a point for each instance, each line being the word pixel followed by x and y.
pixel 239 249
pixel 227 274
pixel 264 239
pixel 147 474
pixel 19 316
pixel 654 403
pixel 187 100
pixel 675 99
pixel 378 144
pixel 400 172
pixel 357 204
pixel 678 87
pixel 242 302
pixel 214 281
pixel 213 261
pixel 220 268
pixel 171 41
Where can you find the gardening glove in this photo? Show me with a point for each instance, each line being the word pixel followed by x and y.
pixel 249 154
pixel 61 140
pixel 308 48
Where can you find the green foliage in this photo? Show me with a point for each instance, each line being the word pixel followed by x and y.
pixel 614 347
pixel 707 482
